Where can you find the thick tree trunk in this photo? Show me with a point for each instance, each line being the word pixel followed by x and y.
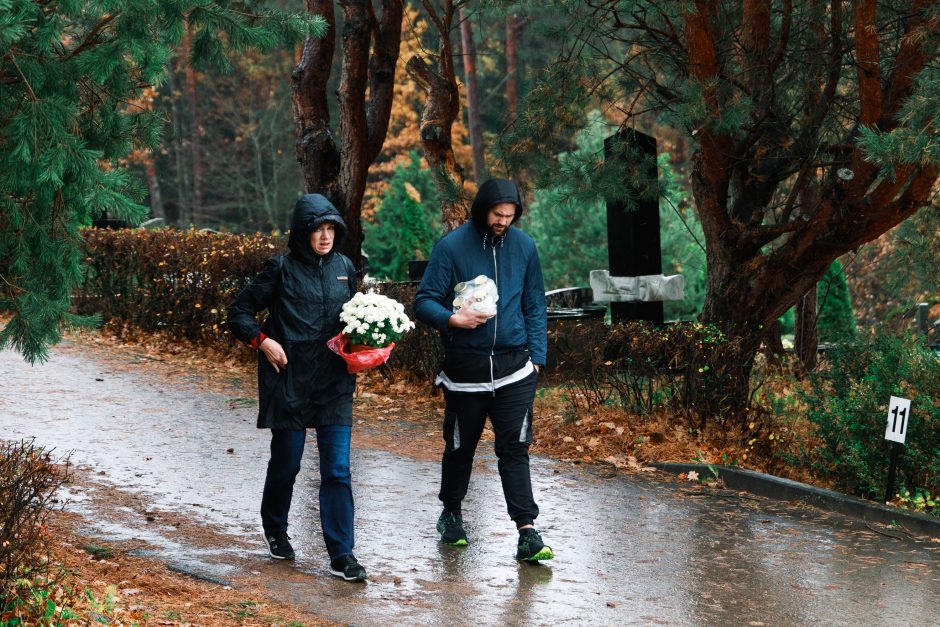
pixel 806 340
pixel 773 343
pixel 441 108
pixel 317 152
pixel 370 46
pixel 473 97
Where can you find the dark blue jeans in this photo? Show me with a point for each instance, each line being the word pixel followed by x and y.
pixel 336 499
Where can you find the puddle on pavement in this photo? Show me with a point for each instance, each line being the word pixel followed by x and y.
pixel 632 549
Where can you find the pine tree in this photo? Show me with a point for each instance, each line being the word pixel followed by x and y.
pixel 813 128
pixel 835 320
pixel 69 71
pixel 406 223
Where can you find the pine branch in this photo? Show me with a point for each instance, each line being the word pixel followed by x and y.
pixel 29 87
pixel 91 39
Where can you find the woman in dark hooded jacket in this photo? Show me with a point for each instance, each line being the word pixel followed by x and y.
pixel 302 384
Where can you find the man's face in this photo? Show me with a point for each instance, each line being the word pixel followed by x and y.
pixel 500 217
pixel 321 240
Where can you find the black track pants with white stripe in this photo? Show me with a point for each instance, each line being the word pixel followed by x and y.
pixel 510 413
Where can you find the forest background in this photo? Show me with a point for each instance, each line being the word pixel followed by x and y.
pixel 788 150
pixel 797 167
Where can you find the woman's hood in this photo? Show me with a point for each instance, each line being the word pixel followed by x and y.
pixel 310 212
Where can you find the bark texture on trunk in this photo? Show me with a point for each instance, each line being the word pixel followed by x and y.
pixel 806 340
pixel 370 45
pixel 441 108
pixel 195 129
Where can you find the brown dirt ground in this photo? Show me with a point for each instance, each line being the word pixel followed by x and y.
pixel 146 592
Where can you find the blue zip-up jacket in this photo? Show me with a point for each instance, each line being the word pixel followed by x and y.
pixel 510 260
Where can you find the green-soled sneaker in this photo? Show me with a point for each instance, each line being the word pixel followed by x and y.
pixel 531 548
pixel 450 526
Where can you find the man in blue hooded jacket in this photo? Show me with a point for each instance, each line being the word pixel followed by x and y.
pixel 491 362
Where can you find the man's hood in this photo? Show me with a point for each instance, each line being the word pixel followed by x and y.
pixel 310 212
pixel 494 192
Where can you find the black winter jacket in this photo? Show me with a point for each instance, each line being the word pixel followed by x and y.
pixel 303 294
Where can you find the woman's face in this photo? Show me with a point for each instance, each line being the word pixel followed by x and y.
pixel 321 240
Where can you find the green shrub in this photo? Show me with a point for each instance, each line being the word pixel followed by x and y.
pixel 848 403
pixel 406 223
pixel 835 320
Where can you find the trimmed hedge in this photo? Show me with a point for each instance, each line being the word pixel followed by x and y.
pixel 181 281
pixel 169 280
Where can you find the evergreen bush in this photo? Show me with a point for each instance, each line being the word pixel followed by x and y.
pixel 406 223
pixel 835 320
pixel 848 403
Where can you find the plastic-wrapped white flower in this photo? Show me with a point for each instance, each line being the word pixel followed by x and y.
pixel 479 294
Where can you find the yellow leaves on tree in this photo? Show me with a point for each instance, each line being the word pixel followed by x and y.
pixel 404 128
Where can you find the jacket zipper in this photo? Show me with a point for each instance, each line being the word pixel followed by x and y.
pixel 495 321
pixel 322 289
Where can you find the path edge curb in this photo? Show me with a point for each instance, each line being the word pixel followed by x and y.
pixel 779 488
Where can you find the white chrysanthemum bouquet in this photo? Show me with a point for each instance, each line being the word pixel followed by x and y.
pixel 373 323
pixel 374 320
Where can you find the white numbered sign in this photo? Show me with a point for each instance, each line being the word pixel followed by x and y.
pixel 899 415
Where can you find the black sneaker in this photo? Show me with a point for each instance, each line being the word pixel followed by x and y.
pixel 450 526
pixel 531 548
pixel 278 544
pixel 348 568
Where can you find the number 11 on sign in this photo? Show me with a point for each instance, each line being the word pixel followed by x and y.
pixel 899 414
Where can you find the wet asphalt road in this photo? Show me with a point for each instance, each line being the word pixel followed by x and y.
pixel 632 549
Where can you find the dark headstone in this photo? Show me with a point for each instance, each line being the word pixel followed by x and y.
pixel 104 221
pixel 633 241
pixel 416 269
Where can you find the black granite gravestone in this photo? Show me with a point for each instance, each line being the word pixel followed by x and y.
pixel 633 243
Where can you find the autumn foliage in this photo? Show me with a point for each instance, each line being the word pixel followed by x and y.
pixel 404 128
pixel 28 482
